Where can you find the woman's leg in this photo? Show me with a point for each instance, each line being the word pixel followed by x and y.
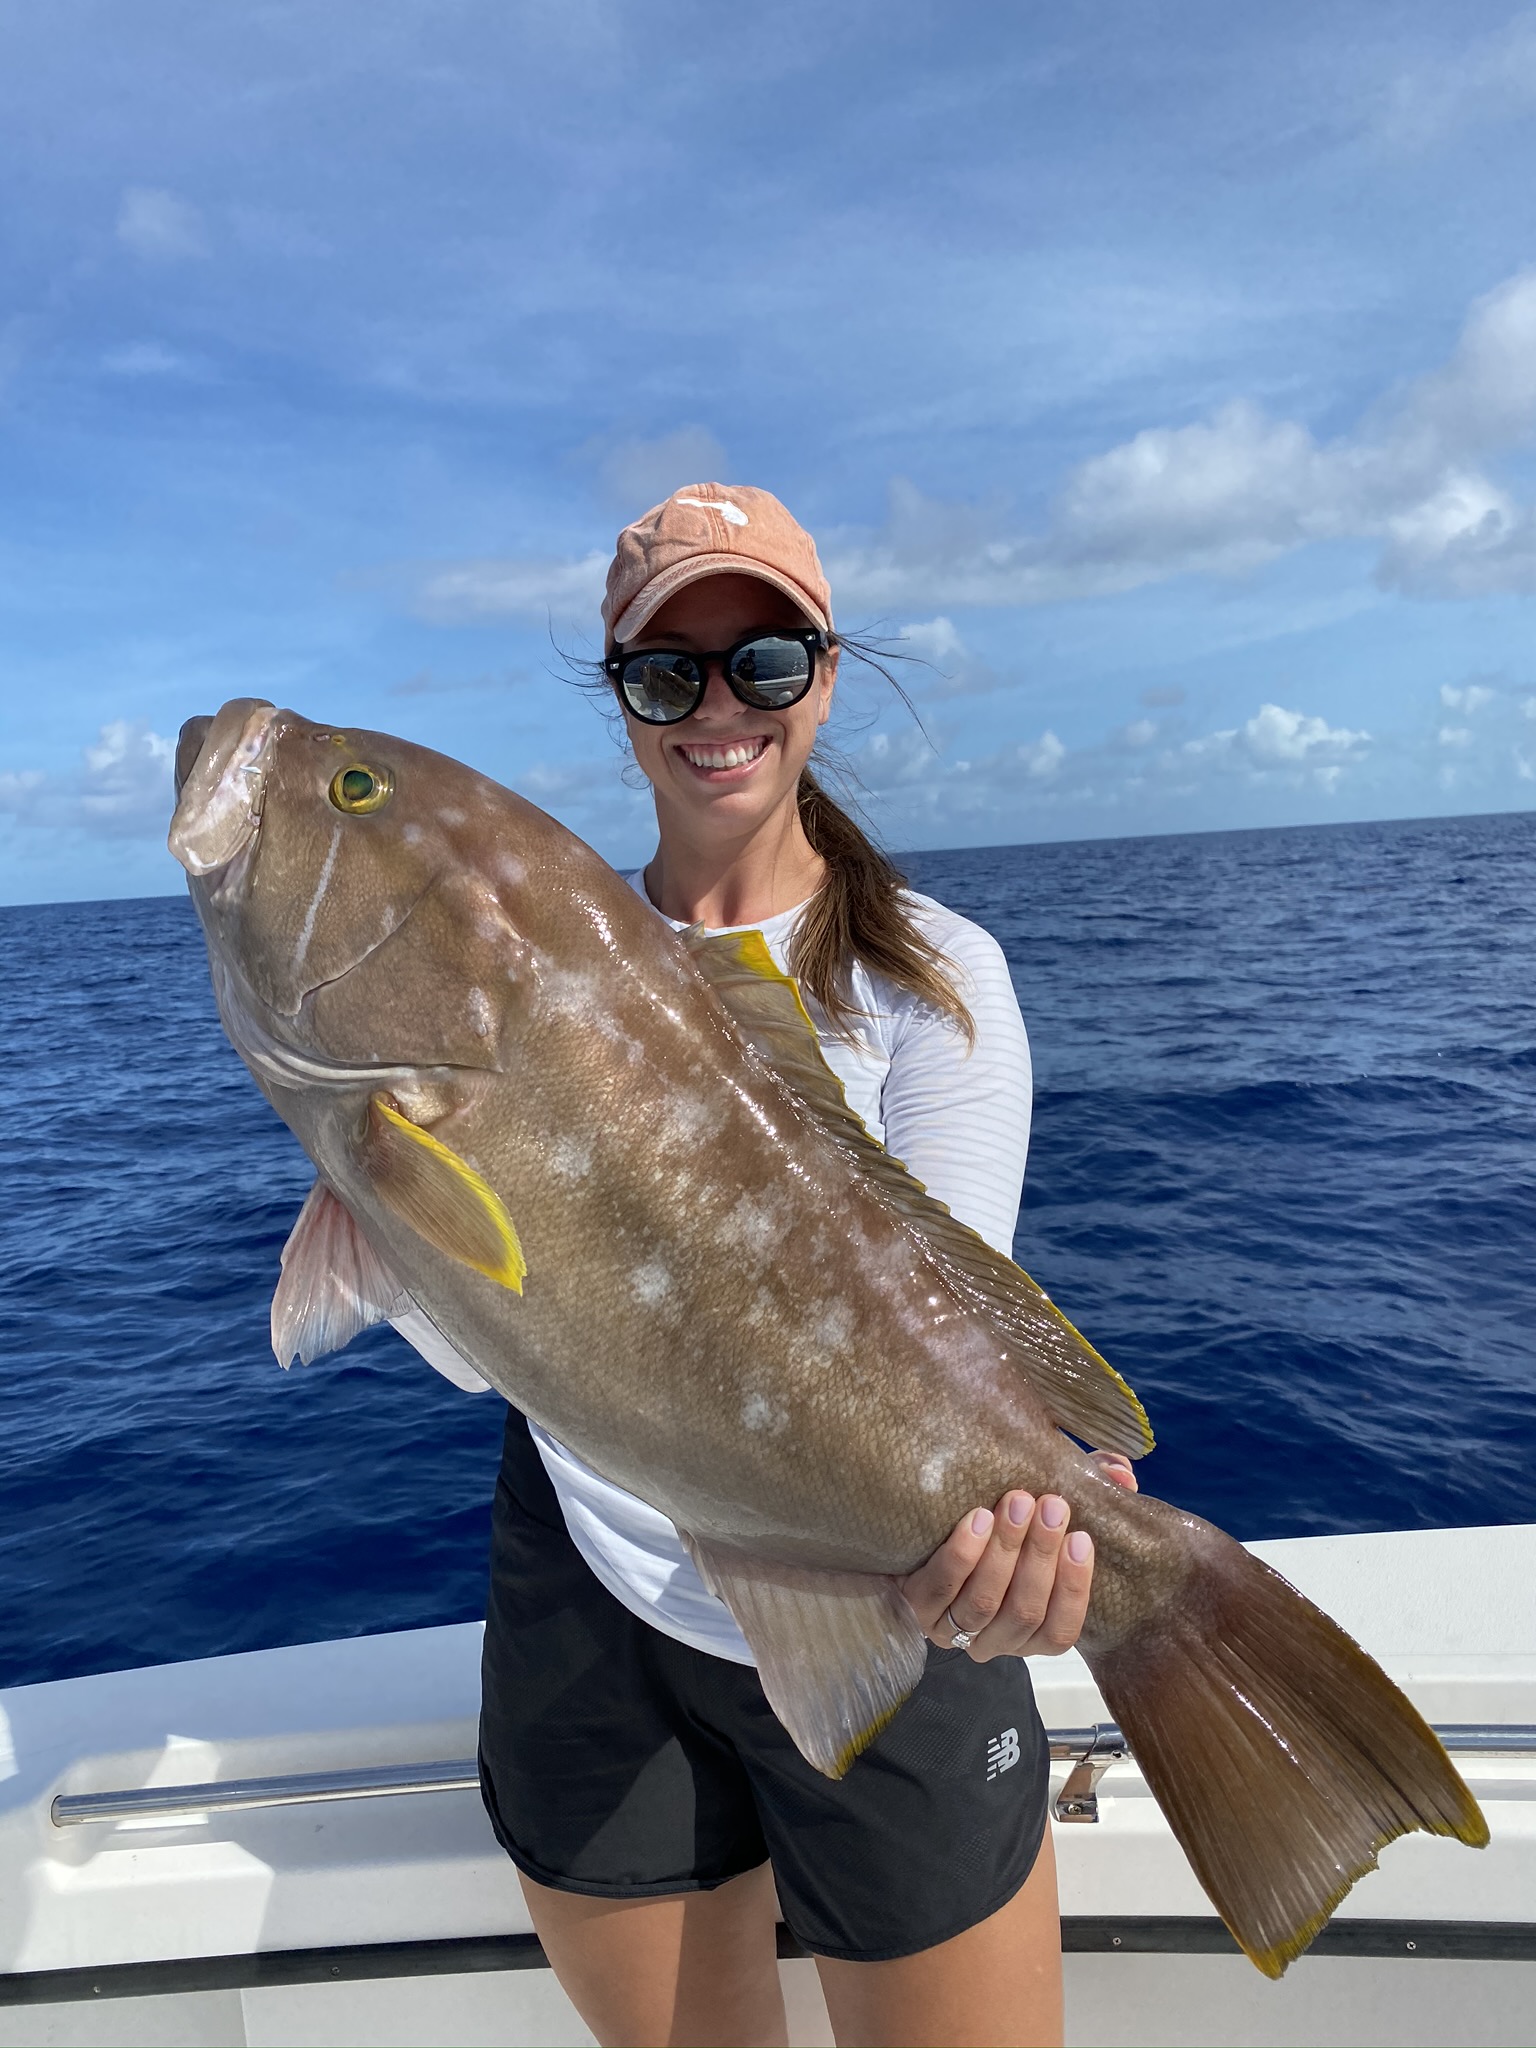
pixel 997 1985
pixel 691 1968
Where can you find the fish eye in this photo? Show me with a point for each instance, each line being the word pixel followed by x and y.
pixel 358 790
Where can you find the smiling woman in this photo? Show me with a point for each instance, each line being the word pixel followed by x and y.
pixel 657 1813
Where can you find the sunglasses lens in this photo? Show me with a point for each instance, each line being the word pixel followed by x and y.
pixel 660 687
pixel 773 671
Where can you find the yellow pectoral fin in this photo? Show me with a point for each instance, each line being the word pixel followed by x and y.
pixel 440 1196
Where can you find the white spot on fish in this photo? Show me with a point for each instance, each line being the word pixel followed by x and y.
pixel 651 1283
pixel 482 1018
pixel 834 1326
pixel 753 1225
pixel 689 1119
pixel 307 931
pixel 450 816
pixel 930 1475
pixel 411 834
pixel 571 1158
pixel 759 1413
pixel 511 869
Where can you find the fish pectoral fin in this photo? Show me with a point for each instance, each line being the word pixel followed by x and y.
pixel 424 1337
pixel 837 1652
pixel 1080 1391
pixel 333 1283
pixel 439 1195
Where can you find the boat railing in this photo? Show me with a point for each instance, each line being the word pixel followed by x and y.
pixel 1090 1750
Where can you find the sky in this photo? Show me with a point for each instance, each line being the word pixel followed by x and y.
pixel 1160 380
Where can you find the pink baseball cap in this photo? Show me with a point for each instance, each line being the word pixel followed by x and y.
pixel 710 530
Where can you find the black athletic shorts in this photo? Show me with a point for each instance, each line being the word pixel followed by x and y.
pixel 618 1762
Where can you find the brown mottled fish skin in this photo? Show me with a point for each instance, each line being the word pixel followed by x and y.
pixel 708 1279
pixel 719 1313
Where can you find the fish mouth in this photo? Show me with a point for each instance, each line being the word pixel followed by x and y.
pixel 222 764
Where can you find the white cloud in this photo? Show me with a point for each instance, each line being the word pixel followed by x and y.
pixel 1471 697
pixel 1225 495
pixel 934 640
pixel 148 359
pixel 515 586
pixel 1043 759
pixel 946 667
pixel 1455 736
pixel 123 791
pixel 159 227
pixel 1219 496
pixel 21 791
pixel 1139 777
pixel 1285 745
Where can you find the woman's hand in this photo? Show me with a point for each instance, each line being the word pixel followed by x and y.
pixel 1014 1579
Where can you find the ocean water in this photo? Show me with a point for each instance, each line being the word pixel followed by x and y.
pixel 1283 1173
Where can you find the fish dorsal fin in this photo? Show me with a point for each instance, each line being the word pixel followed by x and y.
pixel 440 1196
pixel 1081 1392
pixel 333 1284
pixel 837 1652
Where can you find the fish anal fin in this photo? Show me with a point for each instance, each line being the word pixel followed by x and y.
pixel 1282 1755
pixel 333 1283
pixel 837 1652
pixel 440 1196
pixel 1080 1391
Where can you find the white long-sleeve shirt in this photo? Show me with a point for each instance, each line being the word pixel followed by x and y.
pixel 958 1117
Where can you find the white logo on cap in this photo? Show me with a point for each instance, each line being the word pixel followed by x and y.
pixel 731 514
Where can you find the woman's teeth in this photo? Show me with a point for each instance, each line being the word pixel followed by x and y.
pixel 736 756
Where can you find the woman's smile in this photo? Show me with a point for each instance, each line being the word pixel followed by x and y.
pixel 724 760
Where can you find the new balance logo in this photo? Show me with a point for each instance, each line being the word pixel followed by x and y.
pixel 1002 1752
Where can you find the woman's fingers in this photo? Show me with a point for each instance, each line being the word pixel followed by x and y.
pixel 1016 1580
pixel 1119 1471
pixel 986 1588
pixel 935 1583
pixel 1047 1599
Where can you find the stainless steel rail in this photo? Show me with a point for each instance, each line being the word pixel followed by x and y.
pixel 1090 1750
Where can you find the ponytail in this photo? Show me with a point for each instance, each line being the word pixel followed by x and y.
pixel 858 914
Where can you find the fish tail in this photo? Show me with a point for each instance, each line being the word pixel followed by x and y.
pixel 1282 1755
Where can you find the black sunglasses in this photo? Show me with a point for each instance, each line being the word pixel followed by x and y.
pixel 767 671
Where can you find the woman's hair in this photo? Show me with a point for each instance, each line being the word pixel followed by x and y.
pixel 859 912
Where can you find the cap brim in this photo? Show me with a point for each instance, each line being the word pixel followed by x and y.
pixel 641 609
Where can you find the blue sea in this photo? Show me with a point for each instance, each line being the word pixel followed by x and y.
pixel 1283 1173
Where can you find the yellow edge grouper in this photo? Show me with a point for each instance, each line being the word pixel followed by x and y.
pixel 610 1170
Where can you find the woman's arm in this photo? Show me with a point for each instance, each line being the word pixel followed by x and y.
pixel 1013 1577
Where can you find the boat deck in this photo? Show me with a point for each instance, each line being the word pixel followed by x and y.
pixel 292 1917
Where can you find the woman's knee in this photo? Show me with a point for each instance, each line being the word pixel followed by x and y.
pixel 685 1967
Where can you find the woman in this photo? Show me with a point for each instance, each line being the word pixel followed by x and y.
pixel 630 1764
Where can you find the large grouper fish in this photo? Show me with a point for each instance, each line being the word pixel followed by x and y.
pixel 606 1169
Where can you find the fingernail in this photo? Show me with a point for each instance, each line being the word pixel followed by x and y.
pixel 1079 1546
pixel 981 1521
pixel 1053 1512
pixel 1020 1507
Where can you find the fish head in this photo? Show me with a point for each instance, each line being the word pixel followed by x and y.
pixel 355 892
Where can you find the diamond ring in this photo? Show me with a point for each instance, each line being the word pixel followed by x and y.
pixel 961 1638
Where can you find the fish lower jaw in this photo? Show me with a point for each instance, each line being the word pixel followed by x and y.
pixel 738 756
